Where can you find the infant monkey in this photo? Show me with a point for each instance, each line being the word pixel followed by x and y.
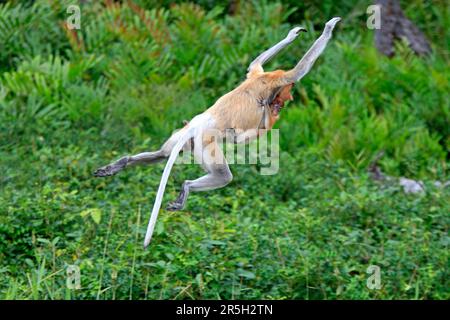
pixel 284 95
pixel 252 106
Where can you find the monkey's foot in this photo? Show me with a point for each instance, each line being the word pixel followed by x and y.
pixel 174 206
pixel 180 201
pixel 111 169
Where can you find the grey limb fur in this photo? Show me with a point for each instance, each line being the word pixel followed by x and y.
pixel 306 63
pixel 268 54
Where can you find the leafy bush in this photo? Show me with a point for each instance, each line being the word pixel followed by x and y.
pixel 71 101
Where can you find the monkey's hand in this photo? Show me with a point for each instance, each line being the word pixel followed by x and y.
pixel 329 26
pixel 294 33
pixel 111 169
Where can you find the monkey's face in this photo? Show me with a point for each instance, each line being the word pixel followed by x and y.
pixel 284 95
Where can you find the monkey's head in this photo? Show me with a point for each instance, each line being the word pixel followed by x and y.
pixel 283 95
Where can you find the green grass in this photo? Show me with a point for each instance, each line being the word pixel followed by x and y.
pixel 71 104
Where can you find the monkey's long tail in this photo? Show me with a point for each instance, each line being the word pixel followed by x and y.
pixel 162 186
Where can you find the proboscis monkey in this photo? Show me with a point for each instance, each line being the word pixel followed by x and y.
pixel 255 104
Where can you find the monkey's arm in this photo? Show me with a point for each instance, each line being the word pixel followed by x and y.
pixel 257 64
pixel 305 64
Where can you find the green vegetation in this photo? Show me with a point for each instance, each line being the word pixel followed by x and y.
pixel 73 101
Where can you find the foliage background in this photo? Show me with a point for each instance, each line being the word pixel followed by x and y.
pixel 73 101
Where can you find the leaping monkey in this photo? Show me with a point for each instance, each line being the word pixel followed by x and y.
pixel 254 105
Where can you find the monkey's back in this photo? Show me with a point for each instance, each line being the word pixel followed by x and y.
pixel 237 111
pixel 241 108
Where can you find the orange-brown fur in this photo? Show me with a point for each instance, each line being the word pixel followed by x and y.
pixel 278 103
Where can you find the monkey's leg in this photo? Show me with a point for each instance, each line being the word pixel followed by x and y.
pixel 219 175
pixel 141 158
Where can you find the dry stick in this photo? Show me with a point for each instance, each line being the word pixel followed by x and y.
pixel 146 286
pixel 375 170
pixel 183 291
pixel 104 255
pixel 134 253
